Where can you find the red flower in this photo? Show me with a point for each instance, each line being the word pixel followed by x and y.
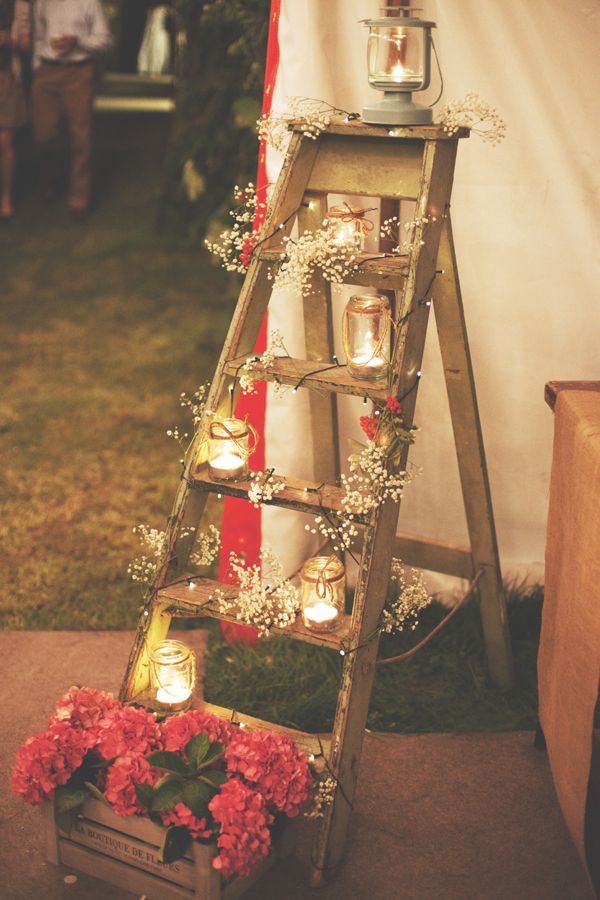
pixel 182 815
pixel 393 404
pixel 369 426
pixel 48 759
pixel 84 707
pixel 121 778
pixel 244 821
pixel 248 248
pixel 178 730
pixel 128 730
pixel 273 765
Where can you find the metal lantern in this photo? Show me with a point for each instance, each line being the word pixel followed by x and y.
pixel 229 448
pixel 399 62
pixel 365 329
pixel 323 590
pixel 172 675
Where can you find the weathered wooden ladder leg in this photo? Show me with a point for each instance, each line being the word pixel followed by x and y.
pixel 373 584
pixel 246 322
pixel 462 399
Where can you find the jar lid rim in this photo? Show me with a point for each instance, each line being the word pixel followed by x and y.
pixel 337 568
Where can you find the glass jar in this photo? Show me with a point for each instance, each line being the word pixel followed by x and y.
pixel 229 448
pixel 172 675
pixel 365 327
pixel 322 592
pixel 398 52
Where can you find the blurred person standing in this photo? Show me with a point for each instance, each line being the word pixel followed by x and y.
pixel 68 36
pixel 14 40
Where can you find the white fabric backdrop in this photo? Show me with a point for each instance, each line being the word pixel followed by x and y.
pixel 526 218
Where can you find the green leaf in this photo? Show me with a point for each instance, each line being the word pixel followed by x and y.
pixel 144 793
pixel 196 795
pixel 214 777
pixel 65 820
pixel 176 842
pixel 168 795
pixel 356 446
pixel 197 748
pixel 96 793
pixel 216 752
pixel 168 762
pixel 67 798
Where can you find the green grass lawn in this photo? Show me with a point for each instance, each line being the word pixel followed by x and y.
pixel 104 325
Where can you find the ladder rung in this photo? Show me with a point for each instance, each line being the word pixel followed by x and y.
pixel 287 370
pixel 303 496
pixel 318 745
pixel 378 272
pixel 194 600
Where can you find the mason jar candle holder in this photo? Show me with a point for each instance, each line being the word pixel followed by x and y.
pixel 230 444
pixel 172 675
pixel 322 593
pixel 365 329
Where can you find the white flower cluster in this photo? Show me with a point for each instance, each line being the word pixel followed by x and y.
pixel 369 482
pixel 410 596
pixel 263 488
pixel 177 435
pixel 337 529
pixel 265 599
pixel 207 547
pixel 144 568
pixel 390 230
pixel 196 404
pixel 474 113
pixel 266 359
pixel 318 250
pixel 323 798
pixel 235 245
pixel 311 116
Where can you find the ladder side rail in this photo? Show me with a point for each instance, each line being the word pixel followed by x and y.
pixel 372 587
pixel 470 451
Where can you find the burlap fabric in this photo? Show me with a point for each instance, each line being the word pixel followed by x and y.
pixel 569 654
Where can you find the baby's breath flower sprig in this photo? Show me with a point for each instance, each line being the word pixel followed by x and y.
pixel 260 361
pixel 310 116
pixel 263 487
pixel 337 528
pixel 474 113
pixel 265 599
pixel 235 245
pixel 207 547
pixel 408 597
pixel 145 568
pixel 196 403
pixel 323 798
pixel 392 229
pixel 317 251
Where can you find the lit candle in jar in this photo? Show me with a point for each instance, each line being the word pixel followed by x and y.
pixel 172 675
pixel 323 585
pixel 365 331
pixel 229 448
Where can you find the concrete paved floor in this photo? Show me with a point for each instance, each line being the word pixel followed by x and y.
pixel 459 817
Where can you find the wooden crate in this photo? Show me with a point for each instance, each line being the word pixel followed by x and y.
pixel 123 850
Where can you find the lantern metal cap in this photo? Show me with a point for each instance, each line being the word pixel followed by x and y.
pixel 400 21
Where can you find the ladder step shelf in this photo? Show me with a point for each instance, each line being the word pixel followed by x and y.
pixel 192 597
pixel 375 270
pixel 299 495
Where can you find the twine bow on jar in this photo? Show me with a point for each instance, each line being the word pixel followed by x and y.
pixel 323 583
pixel 357 215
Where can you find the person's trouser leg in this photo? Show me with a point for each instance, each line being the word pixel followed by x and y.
pixel 45 120
pixel 78 96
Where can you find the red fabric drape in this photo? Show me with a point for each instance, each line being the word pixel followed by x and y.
pixel 241 526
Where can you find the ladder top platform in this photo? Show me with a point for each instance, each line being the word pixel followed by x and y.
pixel 356 128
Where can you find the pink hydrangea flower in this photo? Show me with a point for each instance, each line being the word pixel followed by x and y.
pixel 121 778
pixel 182 815
pixel 273 765
pixel 48 759
pixel 178 730
pixel 128 730
pixel 244 821
pixel 84 707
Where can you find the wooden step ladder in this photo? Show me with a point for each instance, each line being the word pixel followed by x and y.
pixel 410 163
